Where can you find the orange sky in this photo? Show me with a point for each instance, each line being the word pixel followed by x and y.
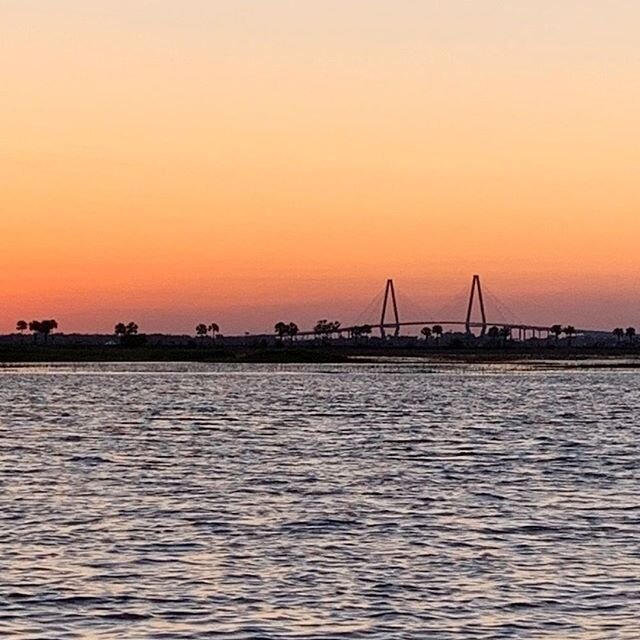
pixel 247 162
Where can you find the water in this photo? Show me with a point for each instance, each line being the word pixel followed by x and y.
pixel 186 501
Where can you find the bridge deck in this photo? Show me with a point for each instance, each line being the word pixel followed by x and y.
pixel 455 323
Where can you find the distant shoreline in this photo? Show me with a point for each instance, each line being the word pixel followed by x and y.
pixel 628 357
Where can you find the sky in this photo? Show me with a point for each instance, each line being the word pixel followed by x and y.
pixel 250 161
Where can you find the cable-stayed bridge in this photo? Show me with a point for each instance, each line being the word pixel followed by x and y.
pixel 481 310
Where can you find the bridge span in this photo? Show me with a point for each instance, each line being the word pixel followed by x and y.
pixel 394 325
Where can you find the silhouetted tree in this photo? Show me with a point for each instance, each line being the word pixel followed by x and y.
pixel 618 332
pixel 35 326
pixel 493 332
pixel 569 331
pixel 214 329
pixel 131 329
pixel 120 329
pixel 281 329
pixel 323 328
pixel 631 333
pixel 437 331
pixel 426 332
pixel 21 327
pixel 505 334
pixel 293 330
pixel 556 329
pixel 201 330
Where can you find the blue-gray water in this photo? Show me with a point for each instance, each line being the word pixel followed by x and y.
pixel 175 501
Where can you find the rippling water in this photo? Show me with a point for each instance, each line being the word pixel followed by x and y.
pixel 360 501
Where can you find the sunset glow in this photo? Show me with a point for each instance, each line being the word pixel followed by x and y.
pixel 247 162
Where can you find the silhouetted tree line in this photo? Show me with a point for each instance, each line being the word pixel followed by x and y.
pixel 286 330
pixel 203 329
pixel 325 329
pixel 619 333
pixel 128 334
pixel 361 330
pixel 436 331
pixel 38 328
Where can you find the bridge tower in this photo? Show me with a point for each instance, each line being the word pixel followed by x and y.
pixel 390 292
pixel 475 286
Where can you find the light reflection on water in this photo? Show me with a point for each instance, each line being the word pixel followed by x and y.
pixel 333 501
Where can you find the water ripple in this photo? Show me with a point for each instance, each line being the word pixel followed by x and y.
pixel 356 501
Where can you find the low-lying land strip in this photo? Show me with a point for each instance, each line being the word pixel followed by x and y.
pixel 628 356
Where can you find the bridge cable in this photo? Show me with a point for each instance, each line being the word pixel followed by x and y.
pixel 407 306
pixel 502 308
pixel 366 314
pixel 453 306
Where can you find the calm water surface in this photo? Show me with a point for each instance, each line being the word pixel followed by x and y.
pixel 355 501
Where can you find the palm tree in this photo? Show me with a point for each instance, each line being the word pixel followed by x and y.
pixel 569 331
pixel 618 332
pixel 426 332
pixel 35 326
pixel 201 330
pixel 493 332
pixel 21 326
pixel 321 328
pixel 437 331
pixel 281 329
pixel 215 329
pixel 556 329
pixel 631 333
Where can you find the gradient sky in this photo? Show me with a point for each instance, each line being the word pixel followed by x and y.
pixel 248 161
